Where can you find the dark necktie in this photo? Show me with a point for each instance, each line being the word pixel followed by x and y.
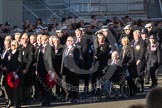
pixel 20 56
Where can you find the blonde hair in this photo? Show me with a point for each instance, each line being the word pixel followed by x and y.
pixel 126 39
pixel 15 43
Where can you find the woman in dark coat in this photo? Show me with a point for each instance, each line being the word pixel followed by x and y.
pixel 128 64
pixel 14 94
pixel 102 55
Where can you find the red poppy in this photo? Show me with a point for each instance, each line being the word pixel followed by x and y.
pixel 12 81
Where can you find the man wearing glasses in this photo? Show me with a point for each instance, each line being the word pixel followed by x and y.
pixel 127 32
pixel 69 76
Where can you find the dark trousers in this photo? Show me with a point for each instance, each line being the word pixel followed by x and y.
pixel 133 87
pixel 45 90
pixel 27 83
pixel 96 76
pixel 147 73
pixel 59 89
pixel 140 79
pixel 14 94
pixel 86 81
pixel 72 79
pixel 154 74
pixel 26 93
pixel 37 88
pixel 147 76
pixel 94 80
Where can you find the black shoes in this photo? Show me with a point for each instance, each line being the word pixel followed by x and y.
pixel 45 104
pixel 26 103
pixel 18 106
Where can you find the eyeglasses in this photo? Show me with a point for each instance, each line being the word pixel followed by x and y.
pixel 12 45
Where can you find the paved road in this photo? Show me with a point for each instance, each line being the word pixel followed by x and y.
pixel 106 103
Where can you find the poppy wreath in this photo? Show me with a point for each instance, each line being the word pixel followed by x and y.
pixel 11 81
pixel 51 82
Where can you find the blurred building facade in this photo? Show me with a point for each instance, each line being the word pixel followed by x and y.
pixel 11 12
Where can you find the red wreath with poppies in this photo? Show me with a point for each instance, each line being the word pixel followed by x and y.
pixel 49 82
pixel 12 81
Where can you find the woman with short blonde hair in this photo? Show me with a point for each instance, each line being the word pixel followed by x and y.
pixel 126 40
pixel 14 43
pixel 14 94
pixel 128 64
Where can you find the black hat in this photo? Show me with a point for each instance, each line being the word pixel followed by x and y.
pixel 152 37
pixel 144 31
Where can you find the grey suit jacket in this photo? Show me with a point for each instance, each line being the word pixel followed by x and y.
pixel 48 57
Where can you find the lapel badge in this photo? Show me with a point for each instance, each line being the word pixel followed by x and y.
pixel 138 47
